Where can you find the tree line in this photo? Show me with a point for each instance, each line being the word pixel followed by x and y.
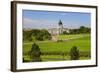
pixel 80 30
pixel 36 34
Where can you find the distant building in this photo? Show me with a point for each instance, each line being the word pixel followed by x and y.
pixel 59 30
pixel 54 31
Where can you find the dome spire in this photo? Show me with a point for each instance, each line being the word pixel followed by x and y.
pixel 60 22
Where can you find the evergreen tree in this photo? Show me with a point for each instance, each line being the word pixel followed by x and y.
pixel 35 53
pixel 74 53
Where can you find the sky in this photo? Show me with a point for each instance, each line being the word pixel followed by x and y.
pixel 49 19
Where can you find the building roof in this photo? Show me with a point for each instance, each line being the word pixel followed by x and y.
pixel 60 22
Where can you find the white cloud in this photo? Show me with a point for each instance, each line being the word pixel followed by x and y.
pixel 45 24
pixel 63 14
pixel 40 24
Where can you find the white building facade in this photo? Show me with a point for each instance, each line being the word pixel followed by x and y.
pixel 59 30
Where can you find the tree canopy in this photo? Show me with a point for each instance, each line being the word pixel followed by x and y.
pixel 36 34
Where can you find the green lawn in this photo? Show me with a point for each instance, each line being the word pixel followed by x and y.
pixel 62 37
pixel 82 43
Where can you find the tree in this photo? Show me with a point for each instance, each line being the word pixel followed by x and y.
pixel 84 29
pixel 43 35
pixel 35 53
pixel 65 32
pixel 74 53
pixel 74 31
pixel 46 35
pixel 36 34
pixel 27 35
pixel 80 30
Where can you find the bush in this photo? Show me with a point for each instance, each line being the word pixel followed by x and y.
pixel 74 53
pixel 35 53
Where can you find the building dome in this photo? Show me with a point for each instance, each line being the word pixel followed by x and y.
pixel 60 23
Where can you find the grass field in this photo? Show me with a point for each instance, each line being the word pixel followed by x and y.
pixel 63 37
pixel 82 41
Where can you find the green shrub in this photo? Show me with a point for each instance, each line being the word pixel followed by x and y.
pixel 35 53
pixel 74 53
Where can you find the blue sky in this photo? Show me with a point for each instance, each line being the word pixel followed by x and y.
pixel 49 19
